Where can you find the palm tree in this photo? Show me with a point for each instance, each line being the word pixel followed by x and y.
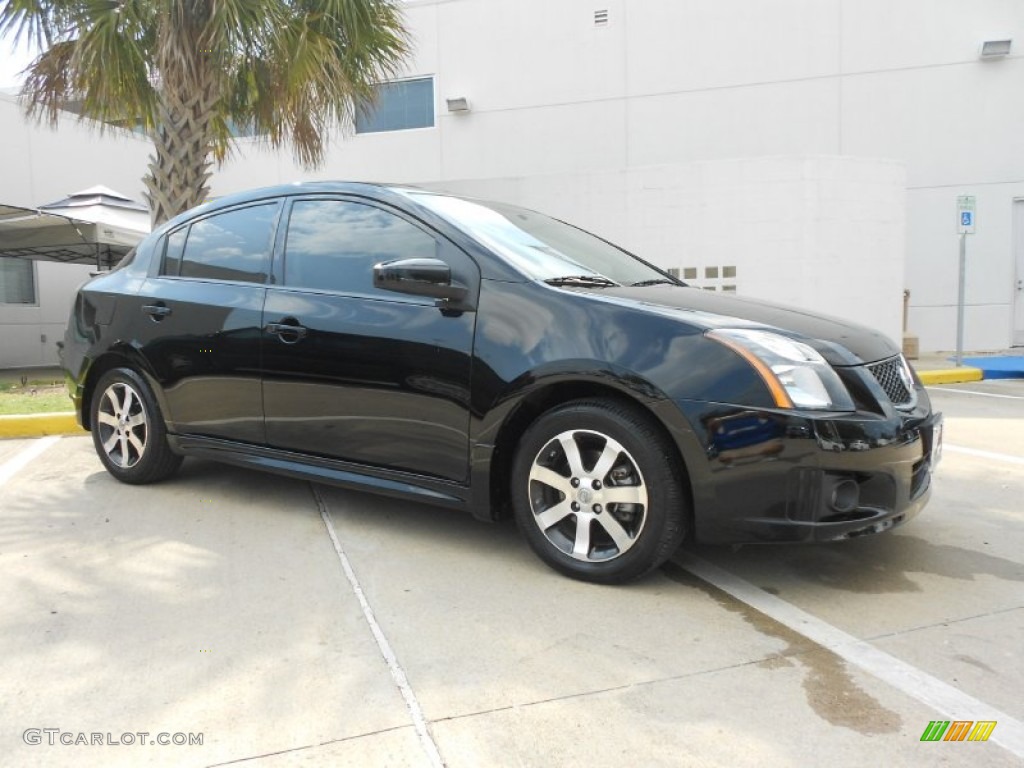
pixel 187 71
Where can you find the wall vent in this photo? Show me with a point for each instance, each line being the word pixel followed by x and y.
pixel 714 278
pixel 601 18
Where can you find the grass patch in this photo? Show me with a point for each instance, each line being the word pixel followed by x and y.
pixel 24 395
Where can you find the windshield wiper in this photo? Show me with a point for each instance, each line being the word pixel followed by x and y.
pixel 586 281
pixel 655 281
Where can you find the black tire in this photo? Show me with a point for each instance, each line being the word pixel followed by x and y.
pixel 635 508
pixel 128 430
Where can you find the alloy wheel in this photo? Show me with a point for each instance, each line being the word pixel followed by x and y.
pixel 588 495
pixel 122 424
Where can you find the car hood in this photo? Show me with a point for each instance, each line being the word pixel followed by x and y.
pixel 839 341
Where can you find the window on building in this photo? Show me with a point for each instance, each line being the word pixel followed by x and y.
pixel 17 281
pixel 333 245
pixel 234 245
pixel 400 105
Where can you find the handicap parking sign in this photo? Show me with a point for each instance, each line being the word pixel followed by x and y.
pixel 965 214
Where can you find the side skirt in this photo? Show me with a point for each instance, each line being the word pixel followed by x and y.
pixel 401 485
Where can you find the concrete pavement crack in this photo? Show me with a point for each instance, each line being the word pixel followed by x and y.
pixel 305 747
pixel 624 686
pixel 943 623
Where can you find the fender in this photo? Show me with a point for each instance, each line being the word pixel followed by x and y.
pixel 539 389
pixel 92 369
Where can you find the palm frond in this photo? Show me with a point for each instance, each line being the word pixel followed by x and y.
pixel 49 86
pixel 40 23
pixel 96 62
pixel 290 71
pixel 326 58
pixel 111 65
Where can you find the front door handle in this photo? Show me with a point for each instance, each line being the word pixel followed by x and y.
pixel 288 331
pixel 156 311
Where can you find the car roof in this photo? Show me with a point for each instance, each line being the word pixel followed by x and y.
pixel 402 196
pixel 368 189
pixel 398 194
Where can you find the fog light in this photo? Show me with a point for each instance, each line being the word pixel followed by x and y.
pixel 845 496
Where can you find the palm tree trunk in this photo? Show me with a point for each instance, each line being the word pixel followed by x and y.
pixel 179 169
pixel 187 96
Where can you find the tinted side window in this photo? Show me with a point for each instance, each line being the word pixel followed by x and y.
pixel 231 246
pixel 333 244
pixel 174 245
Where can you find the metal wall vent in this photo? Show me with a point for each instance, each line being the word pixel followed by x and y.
pixel 601 18
pixel 716 278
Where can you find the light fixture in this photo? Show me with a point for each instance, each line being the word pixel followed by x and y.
pixel 459 105
pixel 995 49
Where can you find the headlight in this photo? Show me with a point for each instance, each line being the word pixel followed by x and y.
pixel 796 375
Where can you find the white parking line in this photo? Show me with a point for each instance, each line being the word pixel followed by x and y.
pixel 1009 459
pixel 948 701
pixel 973 392
pixel 11 467
pixel 411 703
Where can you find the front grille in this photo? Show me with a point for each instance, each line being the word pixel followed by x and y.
pixel 893 376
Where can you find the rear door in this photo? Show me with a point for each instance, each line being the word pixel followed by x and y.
pixel 201 313
pixel 356 373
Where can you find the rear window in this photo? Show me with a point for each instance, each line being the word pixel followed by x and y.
pixel 174 246
pixel 234 245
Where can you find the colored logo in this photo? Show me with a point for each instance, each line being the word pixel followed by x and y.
pixel 958 730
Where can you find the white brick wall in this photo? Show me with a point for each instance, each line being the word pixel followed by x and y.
pixel 696 86
pixel 824 234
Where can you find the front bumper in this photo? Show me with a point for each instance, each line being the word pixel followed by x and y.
pixel 776 477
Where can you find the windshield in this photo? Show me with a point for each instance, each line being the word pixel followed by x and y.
pixel 542 247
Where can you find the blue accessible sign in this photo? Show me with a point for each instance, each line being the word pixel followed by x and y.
pixel 966 214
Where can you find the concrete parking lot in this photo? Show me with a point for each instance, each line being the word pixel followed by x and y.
pixel 289 624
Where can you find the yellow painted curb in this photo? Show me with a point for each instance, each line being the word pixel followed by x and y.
pixel 39 424
pixel 951 375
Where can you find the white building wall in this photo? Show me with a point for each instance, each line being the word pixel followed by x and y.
pixel 30 333
pixel 688 84
pixel 825 234
pixel 916 90
pixel 684 82
pixel 41 165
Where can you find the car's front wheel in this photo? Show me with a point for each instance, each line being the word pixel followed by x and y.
pixel 597 491
pixel 128 431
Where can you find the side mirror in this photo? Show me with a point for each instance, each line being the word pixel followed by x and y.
pixel 419 277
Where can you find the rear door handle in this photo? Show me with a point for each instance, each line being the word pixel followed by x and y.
pixel 156 311
pixel 289 333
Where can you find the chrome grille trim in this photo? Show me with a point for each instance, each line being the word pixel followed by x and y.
pixel 893 375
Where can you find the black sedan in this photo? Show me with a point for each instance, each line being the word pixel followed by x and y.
pixel 486 357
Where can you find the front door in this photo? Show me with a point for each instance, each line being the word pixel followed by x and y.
pixel 367 376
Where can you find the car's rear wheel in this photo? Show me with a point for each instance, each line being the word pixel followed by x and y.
pixel 597 491
pixel 128 431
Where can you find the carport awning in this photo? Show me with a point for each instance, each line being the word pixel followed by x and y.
pixel 26 233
